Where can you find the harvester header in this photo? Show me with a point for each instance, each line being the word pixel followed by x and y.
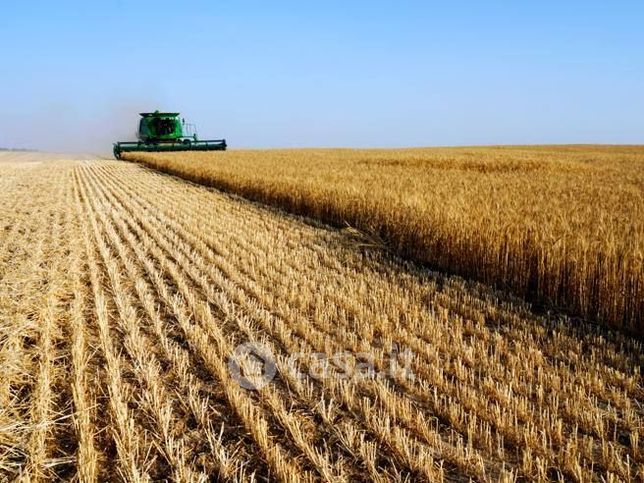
pixel 165 131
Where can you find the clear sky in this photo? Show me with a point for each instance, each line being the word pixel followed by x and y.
pixel 73 74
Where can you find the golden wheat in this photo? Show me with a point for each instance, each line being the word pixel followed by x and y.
pixel 124 292
pixel 562 225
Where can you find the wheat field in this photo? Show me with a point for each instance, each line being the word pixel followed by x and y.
pixel 124 293
pixel 560 225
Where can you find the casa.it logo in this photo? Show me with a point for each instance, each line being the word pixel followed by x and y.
pixel 252 365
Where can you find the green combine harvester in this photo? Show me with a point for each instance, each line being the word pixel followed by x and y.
pixel 164 131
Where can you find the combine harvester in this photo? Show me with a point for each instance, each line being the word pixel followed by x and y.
pixel 164 131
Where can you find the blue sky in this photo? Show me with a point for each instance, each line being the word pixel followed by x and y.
pixel 73 74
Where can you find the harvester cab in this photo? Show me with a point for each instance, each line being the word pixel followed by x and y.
pixel 165 131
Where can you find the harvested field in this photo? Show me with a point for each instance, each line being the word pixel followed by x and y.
pixel 124 292
pixel 559 225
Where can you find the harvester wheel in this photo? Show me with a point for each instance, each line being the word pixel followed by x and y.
pixel 186 142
